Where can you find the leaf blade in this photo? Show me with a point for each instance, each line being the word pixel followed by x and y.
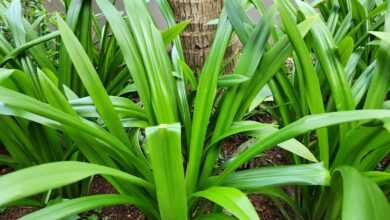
pixel 233 200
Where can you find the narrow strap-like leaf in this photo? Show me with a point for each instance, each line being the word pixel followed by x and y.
pixel 253 179
pixel 380 82
pixel 75 206
pixel 303 125
pixel 164 144
pixel 91 81
pixel 37 179
pixel 310 78
pixel 362 198
pixel 231 199
pixel 207 89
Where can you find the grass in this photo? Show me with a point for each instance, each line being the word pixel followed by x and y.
pixel 113 101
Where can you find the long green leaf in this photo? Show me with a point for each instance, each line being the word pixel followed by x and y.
pixel 130 53
pixel 207 89
pixel 164 145
pixel 177 61
pixel 65 64
pixel 254 179
pixel 303 126
pixel 261 130
pixel 380 81
pixel 239 19
pixel 158 68
pixel 75 206
pixel 247 65
pixel 311 82
pixel 16 104
pixel 273 60
pixel 37 179
pixel 123 106
pixel 325 49
pixel 91 81
pixel 28 45
pixel 233 200
pixel 362 198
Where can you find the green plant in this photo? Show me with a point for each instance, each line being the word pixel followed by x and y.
pixel 140 148
pixel 29 143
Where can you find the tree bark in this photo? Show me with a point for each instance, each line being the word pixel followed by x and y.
pixel 198 37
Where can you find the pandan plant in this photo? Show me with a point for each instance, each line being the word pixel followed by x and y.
pixel 159 146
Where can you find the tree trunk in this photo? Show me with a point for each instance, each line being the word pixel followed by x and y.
pixel 198 37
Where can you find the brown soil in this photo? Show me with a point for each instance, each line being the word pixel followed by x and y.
pixel 2 150
pixel 15 213
pixel 5 170
pixel 266 208
pixel 118 212
pixel 384 163
pixel 263 117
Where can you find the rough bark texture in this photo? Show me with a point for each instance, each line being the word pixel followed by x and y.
pixel 198 37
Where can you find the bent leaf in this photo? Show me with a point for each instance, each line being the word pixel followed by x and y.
pixel 362 198
pixel 231 199
pixel 37 179
pixel 75 206
pixel 303 126
pixel 254 179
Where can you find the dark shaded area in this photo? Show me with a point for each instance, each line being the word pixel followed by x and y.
pixel 4 169
pixel 15 212
pixel 385 163
pixel 266 208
